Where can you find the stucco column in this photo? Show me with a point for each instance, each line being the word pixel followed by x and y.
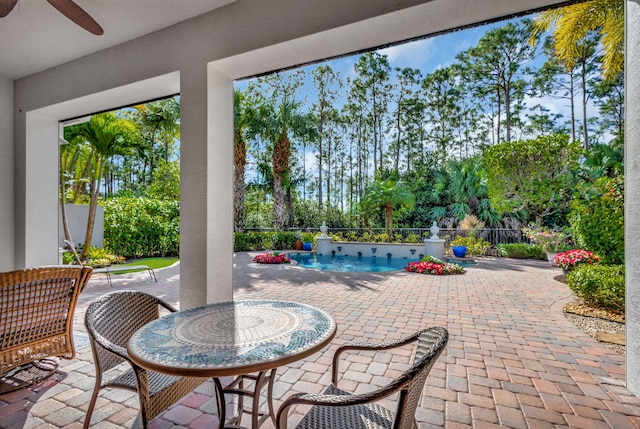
pixel 36 189
pixel 206 193
pixel 7 227
pixel 632 192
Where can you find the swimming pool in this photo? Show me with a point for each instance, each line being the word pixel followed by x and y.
pixel 349 264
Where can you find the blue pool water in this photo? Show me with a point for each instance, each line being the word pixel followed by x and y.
pixel 349 264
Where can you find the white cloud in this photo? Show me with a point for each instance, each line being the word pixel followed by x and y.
pixel 412 54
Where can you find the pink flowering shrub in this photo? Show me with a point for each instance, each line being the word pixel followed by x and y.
pixel 272 258
pixel 549 239
pixel 435 268
pixel 569 259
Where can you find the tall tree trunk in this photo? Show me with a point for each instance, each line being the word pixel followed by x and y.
pixel 93 204
pixel 320 155
pixel 288 207
pixel 396 166
pixel 388 220
pixel 79 186
pixel 499 113
pixel 507 108
pixel 572 107
pixel 239 185
pixel 280 157
pixel 63 208
pixel 585 131
pixel 329 157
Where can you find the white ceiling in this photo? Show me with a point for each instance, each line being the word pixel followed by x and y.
pixel 35 36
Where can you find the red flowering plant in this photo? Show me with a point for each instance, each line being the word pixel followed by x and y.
pixel 569 259
pixel 272 258
pixel 430 265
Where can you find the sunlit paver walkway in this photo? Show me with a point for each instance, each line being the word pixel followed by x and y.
pixel 513 359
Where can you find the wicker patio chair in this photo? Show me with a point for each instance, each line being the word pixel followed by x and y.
pixel 36 321
pixel 337 408
pixel 111 320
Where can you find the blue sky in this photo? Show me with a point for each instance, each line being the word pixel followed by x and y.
pixel 425 55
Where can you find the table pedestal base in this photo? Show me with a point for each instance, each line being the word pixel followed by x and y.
pixel 237 387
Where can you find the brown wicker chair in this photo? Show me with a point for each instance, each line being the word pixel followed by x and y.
pixel 36 314
pixel 111 320
pixel 339 409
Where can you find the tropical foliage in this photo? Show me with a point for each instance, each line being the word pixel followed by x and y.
pixel 572 25
pixel 597 219
pixel 388 195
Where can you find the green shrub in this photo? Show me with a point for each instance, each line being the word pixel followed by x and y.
pixel 521 251
pixel 433 259
pixel 308 237
pixel 600 285
pixel 475 246
pixel 412 238
pixel 142 227
pixel 100 257
pixel 266 240
pixel 597 220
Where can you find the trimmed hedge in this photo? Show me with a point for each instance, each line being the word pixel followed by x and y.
pixel 521 251
pixel 243 241
pixel 137 227
pixel 601 285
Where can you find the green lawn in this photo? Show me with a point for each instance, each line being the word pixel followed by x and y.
pixel 154 263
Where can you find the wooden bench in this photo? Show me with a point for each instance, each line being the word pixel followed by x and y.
pixel 123 268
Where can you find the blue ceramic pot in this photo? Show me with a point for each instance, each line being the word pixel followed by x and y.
pixel 459 251
pixel 307 246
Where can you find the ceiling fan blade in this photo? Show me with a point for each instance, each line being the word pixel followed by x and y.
pixel 78 15
pixel 6 6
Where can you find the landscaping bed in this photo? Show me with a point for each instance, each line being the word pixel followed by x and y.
pixel 605 326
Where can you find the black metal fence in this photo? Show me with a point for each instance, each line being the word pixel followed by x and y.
pixel 492 235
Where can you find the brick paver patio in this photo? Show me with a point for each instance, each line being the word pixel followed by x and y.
pixel 513 359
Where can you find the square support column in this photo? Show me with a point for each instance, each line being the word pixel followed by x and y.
pixel 36 189
pixel 632 192
pixel 206 187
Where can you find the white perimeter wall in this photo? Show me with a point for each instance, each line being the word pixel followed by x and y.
pixel 77 215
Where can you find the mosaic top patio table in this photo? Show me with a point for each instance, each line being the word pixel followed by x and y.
pixel 233 339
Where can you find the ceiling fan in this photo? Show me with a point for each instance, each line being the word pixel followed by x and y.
pixel 68 8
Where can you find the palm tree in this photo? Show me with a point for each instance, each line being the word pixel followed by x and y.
pixel 277 124
pixel 575 22
pixel 240 125
pixel 387 194
pixel 108 135
pixel 160 120
pixel 461 189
